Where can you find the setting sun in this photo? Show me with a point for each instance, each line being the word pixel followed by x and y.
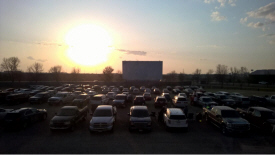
pixel 88 44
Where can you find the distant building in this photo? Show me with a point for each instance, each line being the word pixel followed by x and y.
pixel 264 72
pixel 142 70
pixel 264 75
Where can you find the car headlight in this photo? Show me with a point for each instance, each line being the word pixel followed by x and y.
pixel 67 123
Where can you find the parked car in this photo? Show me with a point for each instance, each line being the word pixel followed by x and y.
pixel 225 100
pixel 81 99
pixel 242 101
pixel 68 117
pixel 105 90
pixel 125 90
pixel 259 117
pixel 175 118
pixel 176 91
pixel 3 96
pixel 210 94
pixel 111 95
pixel 165 90
pixel 160 101
pixel 205 101
pixel 34 92
pixel 167 97
pixel 16 98
pixel 147 96
pixel 132 88
pixel 120 100
pixel 180 102
pixel 61 98
pixel 136 91
pixel 227 119
pixel 258 101
pixel 91 93
pixel 139 100
pixel 142 88
pixel 103 119
pixel 23 117
pixel 182 94
pixel 169 88
pixel 39 98
pixel 188 91
pixel 129 96
pixel 99 99
pixel 115 90
pixel 140 118
pixel 3 113
pixel 232 95
pixel 147 90
pixel 156 91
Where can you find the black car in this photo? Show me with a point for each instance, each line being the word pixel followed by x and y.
pixel 40 98
pixel 21 118
pixel 257 100
pixel 139 100
pixel 17 98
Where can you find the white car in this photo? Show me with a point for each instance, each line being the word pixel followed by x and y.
pixel 103 119
pixel 175 118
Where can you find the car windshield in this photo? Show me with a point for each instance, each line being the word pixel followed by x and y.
pixel 268 114
pixel 66 112
pixel 230 114
pixel 177 117
pixel 120 97
pixel 181 99
pixel 102 113
pixel 207 100
pixel 140 113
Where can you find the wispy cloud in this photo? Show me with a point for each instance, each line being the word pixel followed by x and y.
pixel 132 52
pixel 222 3
pixel 41 60
pixel 243 20
pixel 267 12
pixel 48 44
pixel 217 17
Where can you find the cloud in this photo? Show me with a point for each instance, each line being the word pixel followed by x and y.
pixel 41 60
pixel 48 44
pixel 232 2
pixel 243 20
pixel 268 35
pixel 267 12
pixel 132 52
pixel 31 58
pixel 272 42
pixel 255 25
pixel 222 2
pixel 209 1
pixel 217 17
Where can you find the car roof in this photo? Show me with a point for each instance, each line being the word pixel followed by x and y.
pixel 20 110
pixel 181 96
pixel 261 109
pixel 69 107
pixel 99 95
pixel 104 107
pixel 139 107
pixel 224 108
pixel 175 111
pixel 139 96
pixel 121 95
pixel 160 97
pixel 207 96
pixel 147 93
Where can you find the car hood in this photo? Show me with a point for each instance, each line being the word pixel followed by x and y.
pixel 140 119
pixel 271 121
pixel 101 119
pixel 55 98
pixel 62 118
pixel 235 120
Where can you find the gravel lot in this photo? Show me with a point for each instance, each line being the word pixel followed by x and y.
pixel 201 138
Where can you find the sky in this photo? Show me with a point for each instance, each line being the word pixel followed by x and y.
pixel 184 34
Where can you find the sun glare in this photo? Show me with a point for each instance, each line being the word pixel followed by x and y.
pixel 88 44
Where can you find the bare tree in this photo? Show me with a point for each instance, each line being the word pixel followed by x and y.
pixel 181 76
pixel 172 76
pixel 197 75
pixel 75 73
pixel 56 71
pixel 234 73
pixel 221 73
pixel 36 69
pixel 209 76
pixel 10 65
pixel 107 72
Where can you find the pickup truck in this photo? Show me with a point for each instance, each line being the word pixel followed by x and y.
pixel 259 117
pixel 227 119
pixel 68 117
pixel 103 119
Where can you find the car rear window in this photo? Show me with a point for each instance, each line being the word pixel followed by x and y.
pixel 178 117
pixel 181 99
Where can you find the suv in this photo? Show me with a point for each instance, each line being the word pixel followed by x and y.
pixel 140 118
pixel 175 118
pixel 139 100
pixel 103 118
pixel 120 100
pixel 160 101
